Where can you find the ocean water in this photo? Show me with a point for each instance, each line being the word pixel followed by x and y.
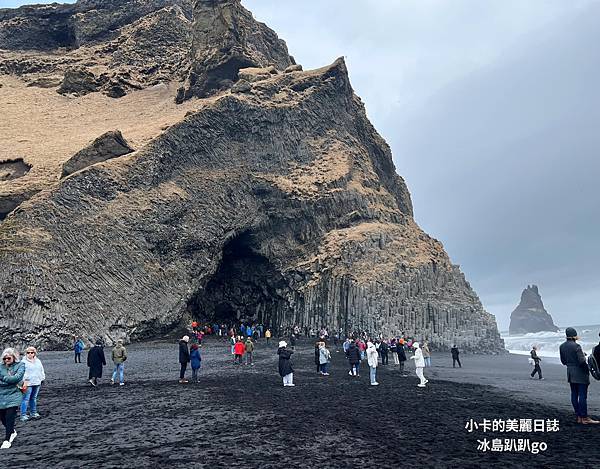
pixel 549 342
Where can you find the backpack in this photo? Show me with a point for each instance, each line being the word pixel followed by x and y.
pixel 593 366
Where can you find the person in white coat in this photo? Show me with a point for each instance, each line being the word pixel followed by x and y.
pixel 419 364
pixel 34 376
pixel 372 357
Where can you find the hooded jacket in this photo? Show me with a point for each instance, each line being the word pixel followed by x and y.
pixel 324 355
pixel 239 348
pixel 96 360
pixel 195 359
pixel 119 354
pixel 34 371
pixel 353 354
pixel 372 355
pixel 184 353
pixel 285 366
pixel 418 357
pixel 401 352
pixel 10 376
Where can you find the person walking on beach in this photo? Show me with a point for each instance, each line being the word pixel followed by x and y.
pixel 578 375
pixel 11 374
pixel 34 375
pixel 95 362
pixel 394 351
pixel 318 353
pixel 239 350
pixel 596 352
pixel 195 361
pixel 455 352
pixel 268 336
pixel 285 365
pixel 184 358
pixel 249 347
pixel 401 352
pixel 419 364
pixel 293 341
pixel 426 354
pixel 118 355
pixel 354 359
pixel 536 362
pixel 232 342
pixel 324 358
pixel 78 347
pixel 372 359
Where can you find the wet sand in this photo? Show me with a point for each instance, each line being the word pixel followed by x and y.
pixel 243 416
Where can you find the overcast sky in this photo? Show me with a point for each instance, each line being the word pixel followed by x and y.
pixel 491 109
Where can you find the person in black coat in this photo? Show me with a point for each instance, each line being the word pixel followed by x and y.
pixel 578 375
pixel 401 352
pixel 384 349
pixel 95 362
pixel 596 352
pixel 455 353
pixel 353 355
pixel 184 357
pixel 285 365
pixel 536 361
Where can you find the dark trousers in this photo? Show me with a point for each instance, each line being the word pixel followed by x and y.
pixel 537 370
pixel 401 366
pixel 77 357
pixel 8 417
pixel 384 358
pixel 579 398
pixel 182 371
pixel 454 361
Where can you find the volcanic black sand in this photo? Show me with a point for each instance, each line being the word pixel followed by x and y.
pixel 241 416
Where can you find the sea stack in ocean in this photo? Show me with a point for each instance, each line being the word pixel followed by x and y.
pixel 273 199
pixel 530 315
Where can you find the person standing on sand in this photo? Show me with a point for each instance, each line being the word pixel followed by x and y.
pixel 285 365
pixel 11 374
pixel 268 336
pixel 293 341
pixel 401 352
pixel 184 358
pixel 34 376
pixel 239 350
pixel 318 353
pixel 354 359
pixel 372 359
pixel 324 358
pixel 419 364
pixel 426 354
pixel 455 352
pixel 536 362
pixel 195 361
pixel 384 349
pixel 596 352
pixel 95 362
pixel 78 347
pixel 578 375
pixel 118 355
pixel 249 348
pixel 394 351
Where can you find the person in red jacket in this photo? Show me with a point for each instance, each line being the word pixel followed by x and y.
pixel 239 349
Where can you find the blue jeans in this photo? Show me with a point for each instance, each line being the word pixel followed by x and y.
pixel 579 398
pixel 30 400
pixel 373 374
pixel 428 361
pixel 324 367
pixel 119 369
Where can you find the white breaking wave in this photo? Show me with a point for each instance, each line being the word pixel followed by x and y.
pixel 548 343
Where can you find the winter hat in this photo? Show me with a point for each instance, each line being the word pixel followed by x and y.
pixel 571 333
pixel 186 338
pixel 283 343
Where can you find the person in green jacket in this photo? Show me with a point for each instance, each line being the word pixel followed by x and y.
pixel 249 351
pixel 11 377
pixel 119 355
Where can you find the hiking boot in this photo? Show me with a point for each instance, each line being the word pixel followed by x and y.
pixel 24 418
pixel 588 421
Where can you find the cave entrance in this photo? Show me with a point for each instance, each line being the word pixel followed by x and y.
pixel 246 288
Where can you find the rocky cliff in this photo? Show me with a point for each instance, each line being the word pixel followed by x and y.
pixel 530 315
pixel 266 195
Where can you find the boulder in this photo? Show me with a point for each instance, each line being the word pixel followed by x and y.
pixel 107 146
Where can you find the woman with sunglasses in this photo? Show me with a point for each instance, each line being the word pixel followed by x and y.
pixel 34 375
pixel 11 374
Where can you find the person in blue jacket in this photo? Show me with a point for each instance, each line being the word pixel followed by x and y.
pixel 78 347
pixel 195 362
pixel 11 376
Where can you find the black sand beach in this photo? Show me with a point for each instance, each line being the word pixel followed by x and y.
pixel 244 417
